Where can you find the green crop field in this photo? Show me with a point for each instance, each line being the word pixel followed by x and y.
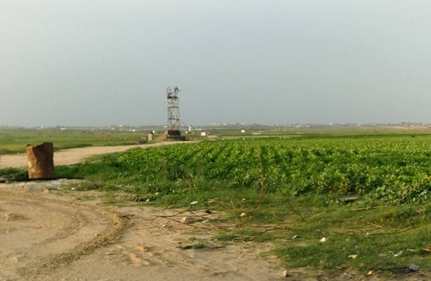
pixel 290 192
pixel 392 170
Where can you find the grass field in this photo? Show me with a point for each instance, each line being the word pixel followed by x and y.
pixel 289 191
pixel 15 141
pixel 336 131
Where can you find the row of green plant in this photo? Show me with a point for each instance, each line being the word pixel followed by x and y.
pixel 392 170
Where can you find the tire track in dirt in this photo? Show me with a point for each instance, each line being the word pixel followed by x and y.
pixel 76 223
pixel 116 225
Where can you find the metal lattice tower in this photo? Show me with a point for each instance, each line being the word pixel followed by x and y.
pixel 173 113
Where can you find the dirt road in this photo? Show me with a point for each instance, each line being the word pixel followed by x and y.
pixel 56 235
pixel 74 155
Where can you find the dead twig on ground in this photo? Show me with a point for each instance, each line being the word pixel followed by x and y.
pixel 188 183
pixel 376 225
pixel 269 230
pixel 262 191
pixel 172 202
pixel 290 205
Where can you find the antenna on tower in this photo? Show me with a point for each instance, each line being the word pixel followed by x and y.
pixel 173 113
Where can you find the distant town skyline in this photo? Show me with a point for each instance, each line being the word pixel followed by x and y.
pixel 94 63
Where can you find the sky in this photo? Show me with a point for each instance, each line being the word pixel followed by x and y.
pixel 103 62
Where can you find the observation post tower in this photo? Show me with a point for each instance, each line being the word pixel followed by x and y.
pixel 173 113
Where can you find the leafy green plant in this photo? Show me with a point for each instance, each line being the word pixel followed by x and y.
pixel 392 170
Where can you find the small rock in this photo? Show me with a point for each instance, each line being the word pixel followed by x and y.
pixel 206 221
pixel 109 253
pixel 157 193
pixel 194 203
pixel 369 273
pixel 295 237
pixel 142 248
pixel 243 215
pixel 73 189
pixel 352 256
pixel 414 267
pixel 285 273
pixel 187 220
pixel 323 240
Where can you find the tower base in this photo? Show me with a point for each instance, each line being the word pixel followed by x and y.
pixel 175 135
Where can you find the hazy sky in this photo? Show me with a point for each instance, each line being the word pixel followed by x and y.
pixel 88 62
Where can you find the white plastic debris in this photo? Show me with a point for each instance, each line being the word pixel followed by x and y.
pixel 397 255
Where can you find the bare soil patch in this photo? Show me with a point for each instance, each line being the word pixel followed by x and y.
pixel 48 235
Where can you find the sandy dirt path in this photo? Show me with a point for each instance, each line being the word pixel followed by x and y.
pixel 74 155
pixel 52 235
